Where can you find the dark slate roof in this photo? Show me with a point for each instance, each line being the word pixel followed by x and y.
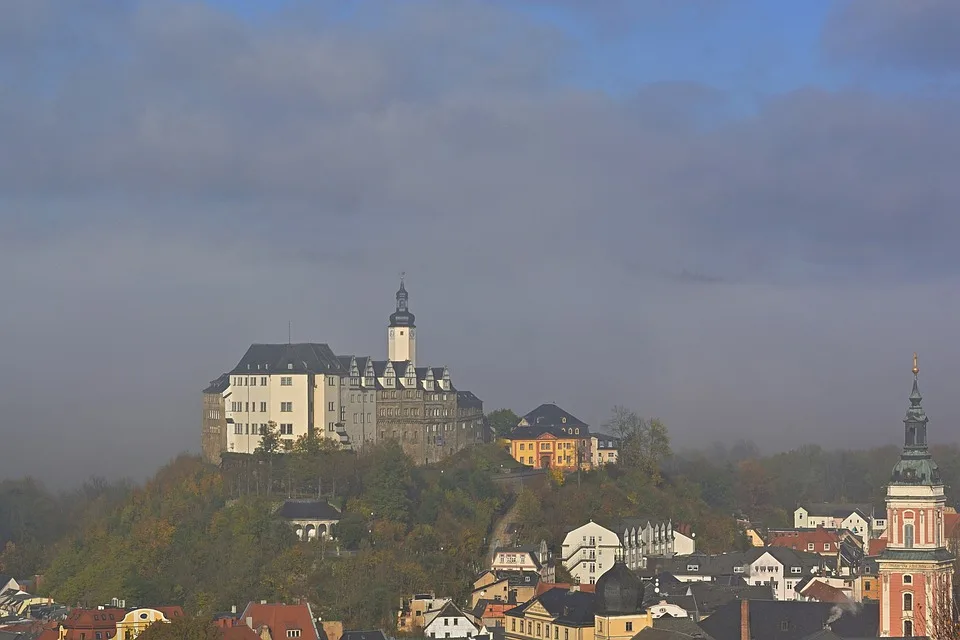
pixel 619 591
pixel 375 634
pixel 839 509
pixel 792 620
pixel 919 555
pixel 307 357
pixel 308 510
pixel 553 416
pixel 467 399
pixel 217 386
pixel 564 431
pixel 711 596
pixel 518 578
pixel 570 608
pixel 668 628
pixel 606 442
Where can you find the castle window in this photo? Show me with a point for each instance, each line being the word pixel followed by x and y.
pixel 907 628
pixel 908 601
pixel 286 407
pixel 908 579
pixel 908 536
pixel 286 381
pixel 629 626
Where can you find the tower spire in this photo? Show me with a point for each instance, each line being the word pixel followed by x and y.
pixel 915 465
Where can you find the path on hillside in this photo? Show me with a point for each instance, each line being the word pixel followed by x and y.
pixel 499 533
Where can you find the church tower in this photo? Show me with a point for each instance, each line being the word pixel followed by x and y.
pixel 402 332
pixel 916 568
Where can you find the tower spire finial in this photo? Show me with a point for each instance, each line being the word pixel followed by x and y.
pixel 916 367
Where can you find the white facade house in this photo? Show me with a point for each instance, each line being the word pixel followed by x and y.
pixel 603 450
pixel 295 386
pixel 860 519
pixel 588 551
pixel 450 622
pixel 642 539
pixel 530 558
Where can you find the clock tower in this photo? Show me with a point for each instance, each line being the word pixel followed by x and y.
pixel 402 332
pixel 916 568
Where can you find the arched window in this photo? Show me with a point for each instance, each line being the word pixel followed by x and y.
pixel 908 536
pixel 907 628
pixel 908 601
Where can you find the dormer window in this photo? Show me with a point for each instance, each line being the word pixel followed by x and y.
pixel 293 633
pixel 693 567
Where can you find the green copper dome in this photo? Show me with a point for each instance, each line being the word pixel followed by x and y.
pixel 916 466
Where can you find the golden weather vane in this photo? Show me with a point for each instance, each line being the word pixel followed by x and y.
pixel 916 368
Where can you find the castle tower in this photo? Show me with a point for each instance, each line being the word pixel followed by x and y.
pixel 916 568
pixel 402 332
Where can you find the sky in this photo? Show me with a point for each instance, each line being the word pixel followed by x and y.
pixel 739 216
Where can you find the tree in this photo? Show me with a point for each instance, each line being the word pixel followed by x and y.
pixel 502 422
pixel 182 629
pixel 644 444
pixel 268 448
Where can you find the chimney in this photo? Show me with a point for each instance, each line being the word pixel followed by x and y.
pixel 233 609
pixel 744 619
pixel 263 602
pixel 574 587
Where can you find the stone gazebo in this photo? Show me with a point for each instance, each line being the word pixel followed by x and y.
pixel 310 519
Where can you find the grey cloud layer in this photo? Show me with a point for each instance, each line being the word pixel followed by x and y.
pixel 187 188
pixel 906 34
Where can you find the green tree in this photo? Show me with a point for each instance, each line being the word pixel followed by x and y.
pixel 644 444
pixel 186 628
pixel 502 422
pixel 267 450
pixel 388 482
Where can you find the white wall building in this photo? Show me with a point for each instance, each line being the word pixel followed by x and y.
pixel 603 450
pixel 860 519
pixel 642 539
pixel 296 386
pixel 450 622
pixel 588 551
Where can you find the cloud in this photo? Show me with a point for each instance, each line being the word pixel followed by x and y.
pixel 905 34
pixel 195 180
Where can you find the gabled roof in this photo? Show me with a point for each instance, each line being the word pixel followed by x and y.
pixel 280 618
pixel 550 415
pixel 820 591
pixel 308 510
pixel 569 608
pixel 307 357
pixel 448 610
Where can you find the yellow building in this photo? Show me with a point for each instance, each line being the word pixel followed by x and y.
pixel 556 614
pixel 137 621
pixel 550 438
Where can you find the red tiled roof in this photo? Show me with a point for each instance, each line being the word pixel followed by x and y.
pixel 877 545
pixel 823 592
pixel 170 612
pixel 82 620
pixel 280 618
pixel 950 521
pixel 240 632
pixel 800 539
